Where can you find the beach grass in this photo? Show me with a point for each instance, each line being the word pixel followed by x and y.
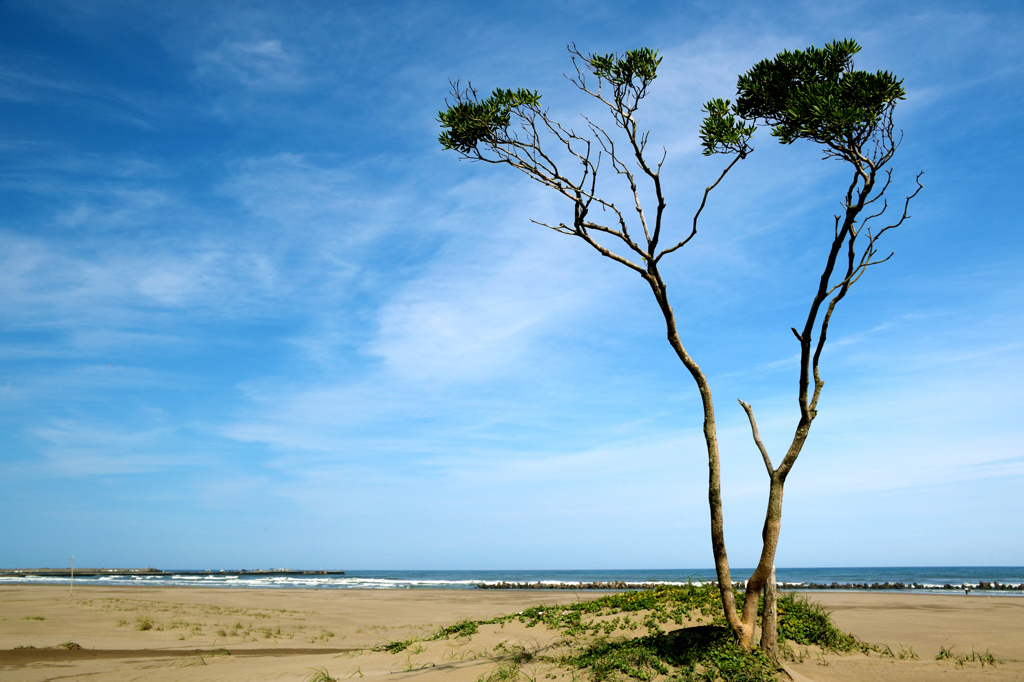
pixel 959 660
pixel 321 675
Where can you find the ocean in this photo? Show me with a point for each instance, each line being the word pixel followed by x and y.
pixel 930 578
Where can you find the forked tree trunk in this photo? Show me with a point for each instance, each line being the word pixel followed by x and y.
pixel 765 568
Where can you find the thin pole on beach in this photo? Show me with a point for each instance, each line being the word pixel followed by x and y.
pixel 72 575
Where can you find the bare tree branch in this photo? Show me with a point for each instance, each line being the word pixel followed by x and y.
pixel 757 438
pixel 700 209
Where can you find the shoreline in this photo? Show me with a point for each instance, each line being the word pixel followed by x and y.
pixel 306 580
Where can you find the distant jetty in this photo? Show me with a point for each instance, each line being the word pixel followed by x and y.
pixel 619 585
pixel 114 572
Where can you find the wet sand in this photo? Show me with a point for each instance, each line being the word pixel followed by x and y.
pixel 168 633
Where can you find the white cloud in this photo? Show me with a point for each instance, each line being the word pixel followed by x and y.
pixel 473 316
pixel 75 449
pixel 261 65
pixel 294 193
pixel 47 285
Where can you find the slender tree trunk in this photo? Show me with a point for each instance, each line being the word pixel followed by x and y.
pixel 770 619
pixel 743 631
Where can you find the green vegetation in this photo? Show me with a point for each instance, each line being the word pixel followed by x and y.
pixel 973 657
pixel 464 628
pixel 705 652
pixel 507 671
pixel 805 622
pixel 34 618
pixel 658 606
pixel 904 654
pixel 321 675
pixel 630 635
pixel 471 120
pixel 394 647
pixel 513 657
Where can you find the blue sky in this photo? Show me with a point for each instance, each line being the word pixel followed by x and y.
pixel 251 314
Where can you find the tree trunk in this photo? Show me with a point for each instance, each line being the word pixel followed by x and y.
pixel 770 619
pixel 742 631
pixel 763 572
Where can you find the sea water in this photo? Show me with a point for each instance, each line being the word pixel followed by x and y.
pixel 932 578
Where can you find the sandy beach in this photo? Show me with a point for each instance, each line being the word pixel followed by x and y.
pixel 231 634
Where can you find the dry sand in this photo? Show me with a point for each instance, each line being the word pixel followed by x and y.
pixel 233 634
pixel 924 623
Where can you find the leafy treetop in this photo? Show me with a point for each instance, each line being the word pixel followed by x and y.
pixel 813 94
pixel 640 64
pixel 470 120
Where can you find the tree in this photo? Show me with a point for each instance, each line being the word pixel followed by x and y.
pixel 813 94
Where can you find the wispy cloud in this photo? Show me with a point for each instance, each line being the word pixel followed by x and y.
pixel 261 65
pixel 75 449
pixel 32 80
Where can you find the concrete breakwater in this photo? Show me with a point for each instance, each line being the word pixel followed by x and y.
pixel 78 572
pixel 621 585
pixel 114 572
pixel 982 585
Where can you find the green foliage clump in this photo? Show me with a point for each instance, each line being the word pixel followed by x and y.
pixel 722 132
pixel 641 64
pixel 707 653
pixel 395 647
pixel 471 120
pixel 635 658
pixel 813 94
pixel 462 629
pixel 806 622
